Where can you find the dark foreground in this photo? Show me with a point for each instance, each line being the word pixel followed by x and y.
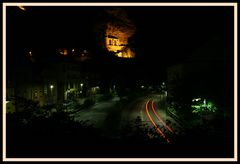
pixel 59 136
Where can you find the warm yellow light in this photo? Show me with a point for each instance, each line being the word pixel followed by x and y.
pixel 117 33
pixel 22 8
pixel 63 51
pixel 113 44
pixel 119 54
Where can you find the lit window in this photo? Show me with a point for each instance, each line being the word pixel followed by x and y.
pixel 45 90
pixel 35 93
pixel 63 51
pixel 30 53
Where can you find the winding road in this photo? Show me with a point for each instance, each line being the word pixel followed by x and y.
pixel 148 110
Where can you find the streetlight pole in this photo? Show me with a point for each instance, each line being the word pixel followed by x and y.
pixel 51 88
pixel 81 87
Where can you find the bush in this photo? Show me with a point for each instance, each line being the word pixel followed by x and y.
pixel 202 107
pixel 71 106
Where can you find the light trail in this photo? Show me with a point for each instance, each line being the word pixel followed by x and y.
pixel 155 125
pixel 160 119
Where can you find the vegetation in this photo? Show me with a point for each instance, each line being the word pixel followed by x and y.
pixel 200 106
pixel 51 131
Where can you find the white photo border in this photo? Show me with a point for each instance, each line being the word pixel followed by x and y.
pixel 234 5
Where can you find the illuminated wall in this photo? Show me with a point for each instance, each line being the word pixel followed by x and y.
pixel 113 44
pixel 119 46
pixel 127 53
pixel 117 33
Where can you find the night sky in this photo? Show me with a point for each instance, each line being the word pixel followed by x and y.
pixel 176 32
pixel 170 30
pixel 164 35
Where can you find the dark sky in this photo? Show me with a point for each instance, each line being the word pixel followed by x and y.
pixel 51 26
pixel 167 33
pixel 179 31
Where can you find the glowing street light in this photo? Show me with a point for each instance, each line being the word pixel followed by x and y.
pixel 51 87
pixel 81 87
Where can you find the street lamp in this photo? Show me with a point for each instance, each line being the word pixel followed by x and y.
pixel 51 87
pixel 81 85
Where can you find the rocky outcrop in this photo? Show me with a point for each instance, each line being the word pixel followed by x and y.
pixel 116 29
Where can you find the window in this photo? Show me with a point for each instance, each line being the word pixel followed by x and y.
pixel 110 42
pixel 45 90
pixel 36 93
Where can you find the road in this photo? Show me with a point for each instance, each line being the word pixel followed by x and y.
pixel 150 113
pixel 111 119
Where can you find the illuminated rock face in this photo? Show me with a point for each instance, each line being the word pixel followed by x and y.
pixel 118 30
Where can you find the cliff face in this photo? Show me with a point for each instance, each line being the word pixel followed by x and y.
pixel 118 29
pixel 119 25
